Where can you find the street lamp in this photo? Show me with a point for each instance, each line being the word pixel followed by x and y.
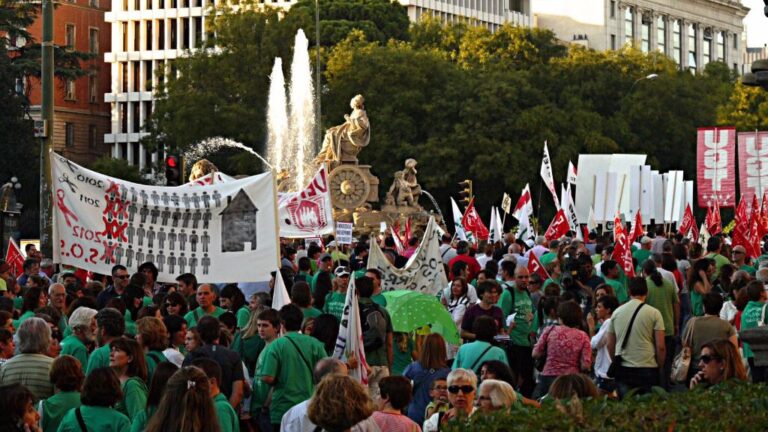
pixel 652 76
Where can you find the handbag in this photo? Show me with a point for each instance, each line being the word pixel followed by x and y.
pixel 757 338
pixel 615 368
pixel 682 362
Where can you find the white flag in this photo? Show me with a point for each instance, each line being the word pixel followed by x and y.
pixel 457 216
pixel 572 176
pixel 496 231
pixel 524 204
pixel 704 235
pixel 546 175
pixel 592 220
pixel 570 212
pixel 500 226
pixel 525 230
pixel 350 339
pixel 280 297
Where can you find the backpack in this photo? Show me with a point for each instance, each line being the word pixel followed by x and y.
pixel 374 326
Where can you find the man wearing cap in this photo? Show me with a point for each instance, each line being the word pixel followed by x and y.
pixel 462 254
pixel 324 264
pixel 644 252
pixel 334 301
pixel 739 257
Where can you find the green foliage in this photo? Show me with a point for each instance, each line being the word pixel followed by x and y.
pixel 118 168
pixel 747 109
pixel 731 406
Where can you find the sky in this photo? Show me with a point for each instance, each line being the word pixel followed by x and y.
pixel 756 23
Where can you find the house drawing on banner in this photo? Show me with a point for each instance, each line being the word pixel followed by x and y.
pixel 238 224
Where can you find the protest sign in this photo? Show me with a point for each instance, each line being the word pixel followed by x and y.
pixel 344 233
pixel 223 232
pixel 424 271
pixel 753 164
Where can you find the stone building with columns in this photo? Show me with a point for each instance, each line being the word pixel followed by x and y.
pixel 691 32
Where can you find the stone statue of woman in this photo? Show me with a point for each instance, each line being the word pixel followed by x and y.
pixel 342 143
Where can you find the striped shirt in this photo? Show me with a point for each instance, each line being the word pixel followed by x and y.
pixel 32 371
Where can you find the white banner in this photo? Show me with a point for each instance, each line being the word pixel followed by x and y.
pixel 461 234
pixel 224 232
pixel 424 271
pixel 308 213
pixel 350 339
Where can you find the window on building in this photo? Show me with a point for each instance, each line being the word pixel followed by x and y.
pixel 161 34
pixel 69 87
pixel 661 34
pixel 122 112
pixel 645 34
pixel 137 36
pixel 613 8
pixel 736 43
pixel 149 36
pixel 69 131
pixel 706 48
pixel 198 31
pixel 93 40
pixel 148 75
pixel 720 46
pixel 149 4
pixel 613 41
pixel 123 76
pixel 516 5
pixel 69 36
pixel 125 5
pixel 185 33
pixel 124 29
pixel 136 66
pixel 136 123
pixel 677 42
pixel 93 88
pixel 629 25
pixel 174 36
pixel 93 137
pixel 692 48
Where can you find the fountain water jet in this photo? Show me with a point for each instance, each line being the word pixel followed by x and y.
pixel 302 113
pixel 277 120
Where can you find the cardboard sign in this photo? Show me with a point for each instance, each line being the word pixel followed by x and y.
pixel 344 233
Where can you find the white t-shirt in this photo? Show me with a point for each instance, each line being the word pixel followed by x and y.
pixel 471 293
pixel 600 344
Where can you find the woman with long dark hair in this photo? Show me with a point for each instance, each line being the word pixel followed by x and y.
pixel 432 364
pixel 187 405
pixel 127 359
pixel 232 299
pixel 163 373
pixel 18 413
pixel 323 286
pixel 699 283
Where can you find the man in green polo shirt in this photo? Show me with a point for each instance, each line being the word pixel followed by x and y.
pixel 521 329
pixel 83 325
pixel 228 419
pixel 611 274
pixel 644 252
pixel 288 363
pixel 205 297
pixel 324 265
pixel 714 245
pixel 110 325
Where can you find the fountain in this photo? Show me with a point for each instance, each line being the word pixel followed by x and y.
pixel 277 120
pixel 301 148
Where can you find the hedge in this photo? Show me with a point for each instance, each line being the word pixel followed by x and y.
pixel 731 406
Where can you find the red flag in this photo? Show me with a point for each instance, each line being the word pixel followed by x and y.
pixel 764 216
pixel 558 227
pixel 695 233
pixel 754 229
pixel 688 221
pixel 534 266
pixel 14 257
pixel 740 234
pixel 637 228
pixel 713 220
pixel 473 223
pixel 622 253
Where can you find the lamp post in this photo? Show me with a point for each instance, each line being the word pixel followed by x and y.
pixel 652 76
pixel 318 126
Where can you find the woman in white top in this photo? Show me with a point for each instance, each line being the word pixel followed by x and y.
pixel 457 304
pixel 462 387
pixel 604 309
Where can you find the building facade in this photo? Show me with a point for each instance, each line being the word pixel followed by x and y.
pixel 691 32
pixel 752 54
pixel 488 13
pixel 81 117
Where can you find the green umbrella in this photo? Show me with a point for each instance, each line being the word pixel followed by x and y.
pixel 411 310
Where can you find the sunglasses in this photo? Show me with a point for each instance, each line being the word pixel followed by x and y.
pixel 708 358
pixel 464 389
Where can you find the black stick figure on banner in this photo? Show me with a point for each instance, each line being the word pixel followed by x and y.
pixel 150 256
pixel 65 179
pixel 160 261
pixel 172 263
pixel 161 238
pixel 206 262
pixel 144 197
pixel 118 254
pixel 133 195
pixel 129 256
pixel 192 264
pixel 205 239
pixel 217 198
pixel 155 198
pixel 182 261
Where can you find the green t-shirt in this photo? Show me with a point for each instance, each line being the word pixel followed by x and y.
pixel 97 419
pixel 641 347
pixel 697 303
pixel 379 299
pixel 749 319
pixel 401 359
pixel 130 325
pixel 475 354
pixel 249 350
pixel 243 316
pixel 523 305
pixel 195 314
pixel 505 299
pixel 749 269
pixel 334 304
pixel 73 346
pixel 313 281
pixel 134 397
pixel 641 255
pixel 99 358
pixel 311 312
pixel 153 358
pixel 720 261
pixel 283 360
pixel 619 288
pixel 139 422
pixel 261 390
pixel 25 316
pixel 663 298
pixel 228 419
pixel 547 258
pixel 55 407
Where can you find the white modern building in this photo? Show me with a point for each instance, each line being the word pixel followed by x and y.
pixel 691 32
pixel 489 13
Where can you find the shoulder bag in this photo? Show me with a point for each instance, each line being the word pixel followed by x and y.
pixel 682 362
pixel 616 365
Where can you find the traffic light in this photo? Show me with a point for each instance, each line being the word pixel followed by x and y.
pixel 173 170
pixel 466 193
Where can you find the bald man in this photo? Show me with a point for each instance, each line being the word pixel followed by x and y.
pixel 741 259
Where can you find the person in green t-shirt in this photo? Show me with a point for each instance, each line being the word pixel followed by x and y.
pixel 83 325
pixel 325 264
pixel 714 246
pixel 699 283
pixel 301 297
pixel 611 273
pixel 205 297
pixel 101 391
pixel 288 364
pixel 67 378
pixel 334 301
pixel 153 337
pixel 228 419
pixel 521 330
pixel 740 258
pixel 750 318
pixel 269 329
pixel 377 296
pixel 110 325
pixel 662 295
pixel 233 300
pixel 128 361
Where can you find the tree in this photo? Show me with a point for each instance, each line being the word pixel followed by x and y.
pixel 118 168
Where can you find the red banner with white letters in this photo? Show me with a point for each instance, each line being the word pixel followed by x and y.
pixel 715 166
pixel 753 164
pixel 558 227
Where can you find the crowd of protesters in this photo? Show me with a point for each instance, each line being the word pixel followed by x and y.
pixel 124 352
